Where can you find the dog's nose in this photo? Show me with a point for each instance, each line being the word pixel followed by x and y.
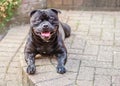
pixel 45 26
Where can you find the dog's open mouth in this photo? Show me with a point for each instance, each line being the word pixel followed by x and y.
pixel 45 34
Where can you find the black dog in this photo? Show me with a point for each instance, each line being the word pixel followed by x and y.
pixel 46 38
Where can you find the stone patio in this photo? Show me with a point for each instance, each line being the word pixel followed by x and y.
pixel 93 53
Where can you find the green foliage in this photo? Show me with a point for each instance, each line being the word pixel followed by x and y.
pixel 7 9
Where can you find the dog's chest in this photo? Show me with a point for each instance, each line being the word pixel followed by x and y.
pixel 45 50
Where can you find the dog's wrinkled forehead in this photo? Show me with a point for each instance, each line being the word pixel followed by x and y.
pixel 37 15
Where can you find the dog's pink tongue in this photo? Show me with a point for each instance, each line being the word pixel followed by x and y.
pixel 45 34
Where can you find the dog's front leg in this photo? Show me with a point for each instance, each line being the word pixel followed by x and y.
pixel 62 58
pixel 30 59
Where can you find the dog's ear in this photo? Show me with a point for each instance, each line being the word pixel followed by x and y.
pixel 32 12
pixel 55 10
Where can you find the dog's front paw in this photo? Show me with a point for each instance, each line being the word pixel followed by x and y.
pixel 31 69
pixel 61 69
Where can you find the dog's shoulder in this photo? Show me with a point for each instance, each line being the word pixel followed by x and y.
pixel 61 31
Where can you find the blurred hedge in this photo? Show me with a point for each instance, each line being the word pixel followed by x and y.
pixel 7 9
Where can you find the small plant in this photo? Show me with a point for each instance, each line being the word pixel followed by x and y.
pixel 7 9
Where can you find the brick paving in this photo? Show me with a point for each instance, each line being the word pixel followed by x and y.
pixel 10 69
pixel 93 53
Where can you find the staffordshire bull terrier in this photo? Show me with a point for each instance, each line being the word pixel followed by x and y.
pixel 46 37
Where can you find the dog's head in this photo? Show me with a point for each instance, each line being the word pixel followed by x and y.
pixel 44 23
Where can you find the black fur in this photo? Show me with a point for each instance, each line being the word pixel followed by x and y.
pixel 46 39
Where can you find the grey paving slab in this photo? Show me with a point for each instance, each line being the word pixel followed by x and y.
pixel 93 63
pixel 85 83
pixel 105 54
pixel 91 49
pixel 116 59
pixel 107 71
pixel 102 80
pixel 86 73
pixel 116 79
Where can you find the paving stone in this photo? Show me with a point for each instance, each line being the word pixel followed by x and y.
pixel 73 24
pixel 3 70
pixel 42 61
pixel 44 69
pixel 106 48
pixel 108 19
pixel 8 49
pixel 117 24
pixel 2 75
pixel 13 83
pixel 82 57
pixel 100 42
pixel 72 65
pixel 108 25
pixel 44 76
pixel 13 70
pixel 84 83
pixel 93 37
pixel 115 84
pixel 117 43
pixel 14 37
pixel 48 76
pixel 95 32
pixel 16 59
pixel 12 32
pixel 107 35
pixel 10 45
pixel 92 63
pixel 85 22
pixel 14 64
pixel 10 77
pixel 4 64
pixel 74 14
pixel 116 79
pixel 81 33
pixel 60 82
pixel 116 49
pixel 86 73
pixel 6 55
pixel 69 39
pixel 102 80
pixel 105 54
pixel 74 17
pixel 68 45
pixel 117 38
pixel 75 51
pixel 3 83
pixel 95 26
pixel 9 41
pixel 116 59
pixel 86 16
pixel 107 71
pixel 83 28
pixel 5 58
pixel 78 43
pixel 91 50
pixel 97 19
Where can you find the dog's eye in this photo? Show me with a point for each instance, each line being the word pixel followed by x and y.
pixel 38 19
pixel 52 18
pixel 36 22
